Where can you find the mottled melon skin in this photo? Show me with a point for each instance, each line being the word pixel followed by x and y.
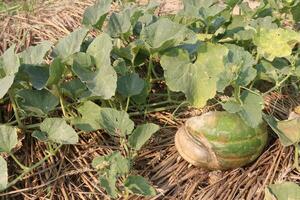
pixel 230 139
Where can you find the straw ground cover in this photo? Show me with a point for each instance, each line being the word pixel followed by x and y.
pixel 70 175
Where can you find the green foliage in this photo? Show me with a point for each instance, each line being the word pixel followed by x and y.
pixel 95 15
pixel 57 130
pixel 202 52
pixel 8 138
pixel 282 191
pixel 3 174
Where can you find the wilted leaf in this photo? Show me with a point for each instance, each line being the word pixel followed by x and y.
pixel 116 122
pixel 8 138
pixel 3 174
pixel 197 80
pixel 40 102
pixel 141 135
pixel 59 131
pixel 96 14
pixel 34 55
pixel 283 191
pixel 291 129
pixel 70 44
pixel 251 108
pixel 130 85
pixel 273 43
pixel 139 185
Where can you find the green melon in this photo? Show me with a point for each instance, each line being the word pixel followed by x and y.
pixel 220 140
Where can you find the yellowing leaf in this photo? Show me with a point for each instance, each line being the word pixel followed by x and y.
pixel 273 43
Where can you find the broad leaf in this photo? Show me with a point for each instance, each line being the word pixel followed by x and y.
pixel 8 138
pixel 291 129
pixel 36 75
pixel 70 44
pixel 139 185
pixel 116 122
pixel 3 174
pixel 141 135
pixel 119 24
pixel 283 191
pixel 130 85
pixel 34 55
pixel 96 14
pixel 40 135
pixel 163 34
pixel 59 131
pixel 9 66
pixel 109 184
pixel 56 71
pixel 197 80
pixel 273 123
pixel 113 164
pixel 231 106
pixel 273 43
pixel 239 68
pixel 39 102
pixel 74 89
pixel 251 108
pixel 101 81
pixel 90 113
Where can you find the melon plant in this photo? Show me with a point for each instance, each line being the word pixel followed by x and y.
pixel 202 52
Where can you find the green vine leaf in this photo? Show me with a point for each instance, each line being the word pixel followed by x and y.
pixel 272 43
pixel 8 138
pixel 239 68
pixel 116 123
pixel 251 108
pixel 34 55
pixel 282 191
pixel 109 184
pixel 197 80
pixel 130 85
pixel 39 102
pixel 70 44
pixel 139 185
pixel 89 117
pixel 57 130
pixel 36 75
pixel 95 15
pixel 102 80
pixel 3 174
pixel 74 89
pixel 56 71
pixel 141 135
pixel 163 34
pixel 119 24
pixel 9 66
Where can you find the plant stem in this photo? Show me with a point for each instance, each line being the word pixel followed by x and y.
pixel 237 93
pixel 296 161
pixel 23 167
pixel 14 105
pixel 61 101
pixel 29 169
pixel 127 103
pixel 278 84
pixel 150 65
pixel 154 110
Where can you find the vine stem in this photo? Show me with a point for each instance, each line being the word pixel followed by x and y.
pixel 23 167
pixel 14 105
pixel 154 110
pixel 61 101
pixel 296 161
pixel 278 84
pixel 29 169
pixel 127 103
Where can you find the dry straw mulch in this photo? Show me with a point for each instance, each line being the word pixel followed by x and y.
pixel 69 175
